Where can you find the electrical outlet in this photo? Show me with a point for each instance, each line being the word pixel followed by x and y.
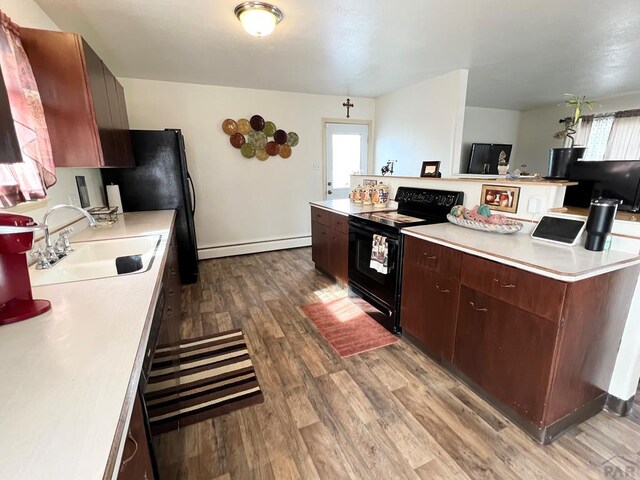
pixel 316 167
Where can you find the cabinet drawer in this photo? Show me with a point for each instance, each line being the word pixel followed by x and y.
pixel 321 216
pixel 340 223
pixel 434 257
pixel 528 291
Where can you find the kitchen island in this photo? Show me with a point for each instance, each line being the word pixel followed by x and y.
pixel 533 327
pixel 70 376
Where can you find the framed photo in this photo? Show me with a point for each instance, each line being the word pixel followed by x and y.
pixel 430 169
pixel 370 182
pixel 83 192
pixel 500 198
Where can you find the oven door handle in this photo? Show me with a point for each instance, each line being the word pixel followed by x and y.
pixel 368 230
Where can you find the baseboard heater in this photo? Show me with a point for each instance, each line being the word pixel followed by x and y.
pixel 257 246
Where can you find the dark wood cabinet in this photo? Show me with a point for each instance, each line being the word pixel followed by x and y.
pixel 136 457
pixel 119 118
pixel 429 299
pixel 339 256
pixel 543 349
pixel 171 307
pixel 320 245
pixel 507 351
pixel 330 243
pixel 83 102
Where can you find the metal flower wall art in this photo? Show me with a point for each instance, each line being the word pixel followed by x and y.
pixel 259 139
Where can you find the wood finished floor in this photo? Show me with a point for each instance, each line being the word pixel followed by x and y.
pixel 386 414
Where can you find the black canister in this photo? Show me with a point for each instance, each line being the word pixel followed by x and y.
pixel 602 213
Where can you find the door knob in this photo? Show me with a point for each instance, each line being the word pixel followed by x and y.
pixel 329 184
pixel 329 192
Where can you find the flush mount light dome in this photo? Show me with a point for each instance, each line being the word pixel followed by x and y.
pixel 258 18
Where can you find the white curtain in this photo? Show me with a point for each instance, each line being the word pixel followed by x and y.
pixel 30 176
pixel 598 137
pixel 624 140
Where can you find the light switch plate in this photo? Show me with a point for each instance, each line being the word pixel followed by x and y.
pixel 316 167
pixel 535 205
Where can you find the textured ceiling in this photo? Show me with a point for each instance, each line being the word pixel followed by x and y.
pixel 520 54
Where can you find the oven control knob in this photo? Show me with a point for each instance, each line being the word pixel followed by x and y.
pixel 441 200
pixel 450 200
pixel 429 198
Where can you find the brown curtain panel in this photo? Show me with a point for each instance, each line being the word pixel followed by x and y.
pixel 36 172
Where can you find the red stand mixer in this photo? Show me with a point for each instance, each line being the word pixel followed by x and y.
pixel 16 300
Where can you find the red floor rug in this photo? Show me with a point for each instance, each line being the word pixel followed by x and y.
pixel 348 328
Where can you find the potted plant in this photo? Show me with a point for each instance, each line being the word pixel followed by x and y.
pixel 560 159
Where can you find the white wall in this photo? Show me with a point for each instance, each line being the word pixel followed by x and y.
pixel 422 122
pixel 27 13
pixel 489 125
pixel 537 127
pixel 242 201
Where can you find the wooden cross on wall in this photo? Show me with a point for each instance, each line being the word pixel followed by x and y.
pixel 348 105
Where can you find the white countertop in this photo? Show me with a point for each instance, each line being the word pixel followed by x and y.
pixel 66 373
pixel 346 207
pixel 568 264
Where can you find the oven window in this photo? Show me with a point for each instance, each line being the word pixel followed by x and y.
pixel 364 245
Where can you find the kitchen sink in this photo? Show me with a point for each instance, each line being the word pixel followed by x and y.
pixel 100 259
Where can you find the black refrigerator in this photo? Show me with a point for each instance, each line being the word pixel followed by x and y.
pixel 161 181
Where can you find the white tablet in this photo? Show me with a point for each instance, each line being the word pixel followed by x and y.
pixel 559 230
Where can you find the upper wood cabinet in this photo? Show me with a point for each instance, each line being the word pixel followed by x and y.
pixel 84 103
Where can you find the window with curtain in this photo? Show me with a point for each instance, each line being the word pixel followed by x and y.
pixel 598 137
pixel 624 140
pixel 612 136
pixel 30 176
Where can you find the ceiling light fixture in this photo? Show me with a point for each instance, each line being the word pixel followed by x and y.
pixel 258 18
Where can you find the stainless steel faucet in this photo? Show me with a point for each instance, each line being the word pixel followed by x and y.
pixel 47 237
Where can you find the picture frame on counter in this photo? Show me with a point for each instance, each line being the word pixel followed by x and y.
pixel 500 198
pixel 369 182
pixel 83 191
pixel 430 169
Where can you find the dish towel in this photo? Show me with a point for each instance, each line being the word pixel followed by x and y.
pixel 379 254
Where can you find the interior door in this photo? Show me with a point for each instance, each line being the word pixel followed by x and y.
pixel 346 152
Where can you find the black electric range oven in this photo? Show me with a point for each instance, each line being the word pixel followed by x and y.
pixel 416 206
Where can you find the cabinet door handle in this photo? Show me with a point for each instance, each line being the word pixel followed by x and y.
pixel 430 257
pixel 124 463
pixel 473 305
pixel 504 285
pixel 441 290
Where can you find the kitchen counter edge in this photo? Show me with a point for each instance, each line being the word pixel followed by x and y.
pixel 526 266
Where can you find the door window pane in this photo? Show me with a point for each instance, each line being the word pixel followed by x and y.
pixel 346 158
